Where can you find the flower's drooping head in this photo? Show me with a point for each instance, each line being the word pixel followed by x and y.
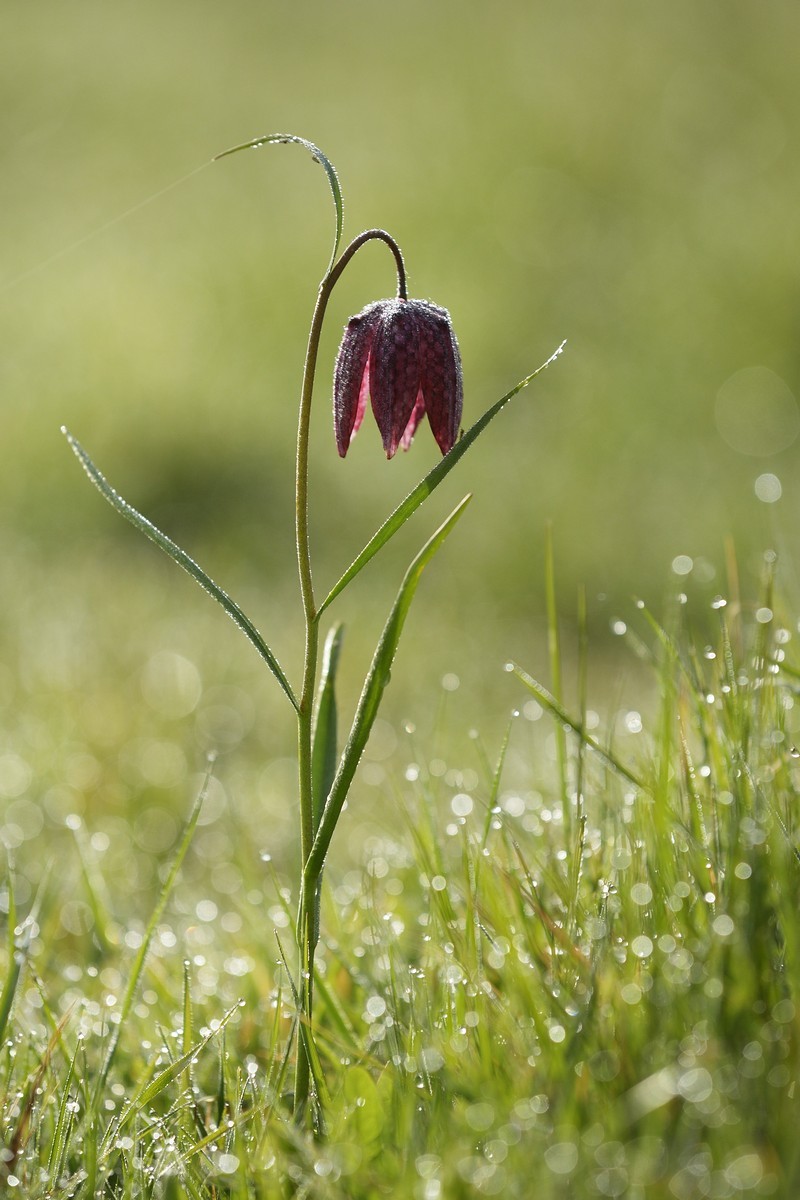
pixel 403 355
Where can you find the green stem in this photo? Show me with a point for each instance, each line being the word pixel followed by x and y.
pixel 308 907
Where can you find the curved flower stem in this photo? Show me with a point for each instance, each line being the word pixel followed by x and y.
pixel 308 907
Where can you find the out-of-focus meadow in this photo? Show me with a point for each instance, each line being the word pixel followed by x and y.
pixel 623 176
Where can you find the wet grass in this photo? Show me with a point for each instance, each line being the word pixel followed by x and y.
pixel 564 961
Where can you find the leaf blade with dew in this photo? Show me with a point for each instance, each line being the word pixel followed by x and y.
pixel 420 493
pixel 173 1069
pixel 17 1141
pixel 183 560
pixel 58 1144
pixel 494 793
pixel 192 1119
pixel 560 713
pixel 138 964
pixel 318 156
pixel 554 650
pixel 186 1025
pixel 372 693
pixel 309 1047
pixel 15 959
pixel 575 846
pixel 98 910
pixel 323 747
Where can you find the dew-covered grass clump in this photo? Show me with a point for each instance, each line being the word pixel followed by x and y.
pixel 564 964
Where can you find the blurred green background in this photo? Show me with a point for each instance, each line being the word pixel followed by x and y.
pixel 621 175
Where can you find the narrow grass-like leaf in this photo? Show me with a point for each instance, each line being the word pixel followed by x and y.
pixel 318 157
pixel 55 1157
pixel 308 1045
pixel 374 686
pixel 575 845
pixel 55 1024
pixel 560 713
pixel 323 749
pixel 162 1080
pixel 192 1118
pixel 14 955
pixel 65 1131
pixel 424 488
pixel 222 1095
pixel 475 864
pixel 138 965
pixel 554 649
pixel 186 1036
pixel 337 1015
pixel 89 1163
pixel 183 560
pixel 26 1122
pixel 494 794
pixel 98 909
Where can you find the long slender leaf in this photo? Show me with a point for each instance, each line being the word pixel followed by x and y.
pixel 323 751
pixel 318 156
pixel 424 488
pixel 554 649
pixel 309 1046
pixel 494 794
pixel 374 686
pixel 58 1146
pixel 138 965
pixel 560 713
pixel 183 560
pixel 156 1085
pixel 15 959
pixel 26 1123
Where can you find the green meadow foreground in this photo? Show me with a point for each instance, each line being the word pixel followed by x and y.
pixel 564 967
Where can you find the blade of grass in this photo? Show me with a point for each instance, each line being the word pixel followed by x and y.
pixel 318 157
pixel 26 1123
pixel 192 1118
pixel 55 1157
pixel 374 686
pixel 186 1033
pixel 15 959
pixel 139 961
pixel 494 793
pixel 338 1016
pixel 99 910
pixel 476 862
pixel 156 1086
pixel 559 712
pixel 554 649
pixel 577 847
pixel 308 1044
pixel 183 560
pixel 424 488
pixel 222 1093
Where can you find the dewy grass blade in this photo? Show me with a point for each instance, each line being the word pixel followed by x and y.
pixel 138 965
pixel 371 696
pixel 170 1072
pixel 14 956
pixel 554 649
pixel 183 560
pixel 58 1145
pixel 424 488
pixel 559 712
pixel 318 156
pixel 306 1034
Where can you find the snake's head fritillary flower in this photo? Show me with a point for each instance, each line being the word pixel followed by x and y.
pixel 403 355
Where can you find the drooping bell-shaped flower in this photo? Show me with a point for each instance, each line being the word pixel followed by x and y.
pixel 403 355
